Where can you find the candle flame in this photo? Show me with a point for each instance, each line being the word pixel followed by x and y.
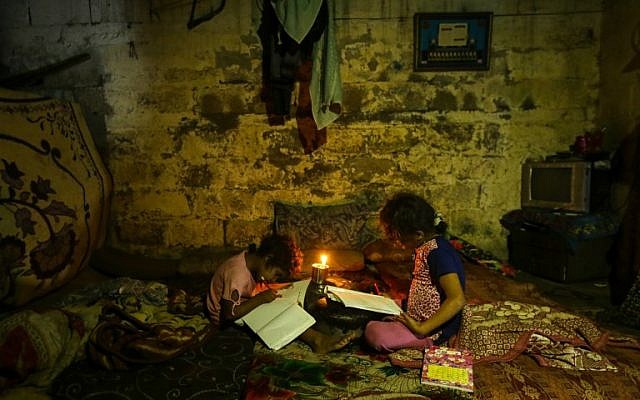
pixel 323 258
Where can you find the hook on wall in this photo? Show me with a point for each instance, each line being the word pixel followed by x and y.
pixel 195 21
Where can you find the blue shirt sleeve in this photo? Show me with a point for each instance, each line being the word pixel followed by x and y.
pixel 445 260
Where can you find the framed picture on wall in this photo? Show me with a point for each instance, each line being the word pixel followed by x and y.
pixel 452 41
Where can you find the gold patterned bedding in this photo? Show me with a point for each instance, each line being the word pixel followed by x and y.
pixel 54 195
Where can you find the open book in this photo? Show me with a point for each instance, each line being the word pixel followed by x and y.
pixel 278 323
pixel 448 368
pixel 365 301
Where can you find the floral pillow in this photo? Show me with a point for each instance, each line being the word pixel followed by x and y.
pixel 54 193
pixel 337 227
pixel 337 231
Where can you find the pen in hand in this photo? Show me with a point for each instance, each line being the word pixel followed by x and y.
pixel 264 282
pixel 375 286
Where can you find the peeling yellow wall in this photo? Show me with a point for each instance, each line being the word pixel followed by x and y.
pixel 196 164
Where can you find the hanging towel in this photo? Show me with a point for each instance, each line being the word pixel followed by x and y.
pixel 297 18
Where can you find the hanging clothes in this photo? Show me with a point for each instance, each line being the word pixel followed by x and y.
pixel 298 36
pixel 310 136
pixel 299 18
pixel 326 83
pixel 280 61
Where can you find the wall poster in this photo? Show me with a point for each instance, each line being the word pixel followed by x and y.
pixel 452 41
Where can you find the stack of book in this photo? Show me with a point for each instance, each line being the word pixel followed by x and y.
pixel 448 368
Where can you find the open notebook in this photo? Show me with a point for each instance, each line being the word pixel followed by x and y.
pixel 365 301
pixel 278 323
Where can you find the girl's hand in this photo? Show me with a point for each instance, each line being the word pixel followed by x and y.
pixel 409 322
pixel 267 296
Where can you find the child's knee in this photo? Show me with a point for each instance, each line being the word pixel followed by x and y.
pixel 376 336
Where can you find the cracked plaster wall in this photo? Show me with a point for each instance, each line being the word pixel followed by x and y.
pixel 179 118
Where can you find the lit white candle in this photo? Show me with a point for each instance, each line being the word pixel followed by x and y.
pixel 319 270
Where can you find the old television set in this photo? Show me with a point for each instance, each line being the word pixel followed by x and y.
pixel 569 186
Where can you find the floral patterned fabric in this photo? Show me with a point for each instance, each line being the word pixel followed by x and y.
pixel 54 192
pixel 424 299
pixel 550 353
pixel 630 308
pixel 295 372
pixel 500 331
pixel 36 346
pixel 336 227
pixel 482 257
pixel 216 370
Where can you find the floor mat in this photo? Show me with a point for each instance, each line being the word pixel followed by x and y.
pixel 295 372
pixel 216 370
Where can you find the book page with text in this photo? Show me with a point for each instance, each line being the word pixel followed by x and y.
pixel 365 301
pixel 286 327
pixel 264 313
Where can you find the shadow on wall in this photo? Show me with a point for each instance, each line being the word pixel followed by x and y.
pixel 77 78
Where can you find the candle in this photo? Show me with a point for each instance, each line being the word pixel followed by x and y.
pixel 319 270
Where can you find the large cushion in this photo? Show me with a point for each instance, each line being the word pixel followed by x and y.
pixel 337 231
pixel 336 227
pixel 54 192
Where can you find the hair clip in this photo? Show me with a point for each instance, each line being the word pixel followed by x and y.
pixel 437 219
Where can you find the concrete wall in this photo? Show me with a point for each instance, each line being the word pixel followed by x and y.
pixel 179 117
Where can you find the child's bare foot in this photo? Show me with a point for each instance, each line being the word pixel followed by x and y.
pixel 327 344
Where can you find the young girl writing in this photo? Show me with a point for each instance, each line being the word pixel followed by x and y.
pixel 241 284
pixel 436 295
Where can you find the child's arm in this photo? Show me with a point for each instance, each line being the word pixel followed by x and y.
pixel 386 251
pixel 231 312
pixel 454 302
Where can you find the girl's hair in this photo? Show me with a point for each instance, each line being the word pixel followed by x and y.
pixel 280 251
pixel 406 214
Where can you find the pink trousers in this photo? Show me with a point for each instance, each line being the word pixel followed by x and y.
pixel 389 336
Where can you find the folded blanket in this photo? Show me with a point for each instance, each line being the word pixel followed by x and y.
pixel 120 340
pixel 161 322
pixel 500 331
pixel 549 353
pixel 37 346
